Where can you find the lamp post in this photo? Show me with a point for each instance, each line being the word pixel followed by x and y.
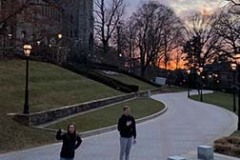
pixel 27 51
pixel 188 72
pixel 59 47
pixel 201 85
pixel 237 58
pixel 234 68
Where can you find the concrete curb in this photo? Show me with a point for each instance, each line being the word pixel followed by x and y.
pixel 111 128
pixel 229 130
pixel 193 156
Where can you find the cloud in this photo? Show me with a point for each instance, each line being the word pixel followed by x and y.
pixel 182 7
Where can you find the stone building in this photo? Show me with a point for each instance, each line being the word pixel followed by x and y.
pixel 42 21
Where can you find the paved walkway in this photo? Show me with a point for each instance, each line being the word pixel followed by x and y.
pixel 180 130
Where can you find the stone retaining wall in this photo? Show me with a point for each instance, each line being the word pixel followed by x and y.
pixel 38 118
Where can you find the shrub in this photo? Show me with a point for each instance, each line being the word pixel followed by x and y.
pixel 228 146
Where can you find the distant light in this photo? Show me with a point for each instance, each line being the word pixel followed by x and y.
pixel 60 36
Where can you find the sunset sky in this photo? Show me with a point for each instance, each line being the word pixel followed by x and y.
pixel 181 7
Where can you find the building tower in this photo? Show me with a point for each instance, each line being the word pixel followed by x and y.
pixel 86 24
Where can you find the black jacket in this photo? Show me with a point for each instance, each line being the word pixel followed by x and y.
pixel 70 143
pixel 127 126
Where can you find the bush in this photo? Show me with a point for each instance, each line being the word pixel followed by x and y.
pixel 228 145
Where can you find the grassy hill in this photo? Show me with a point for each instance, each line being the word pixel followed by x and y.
pixel 50 87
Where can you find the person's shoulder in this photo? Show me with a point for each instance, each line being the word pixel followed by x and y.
pixel 121 117
pixel 132 117
pixel 78 135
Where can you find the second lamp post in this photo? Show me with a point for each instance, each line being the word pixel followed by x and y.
pixel 234 68
pixel 27 51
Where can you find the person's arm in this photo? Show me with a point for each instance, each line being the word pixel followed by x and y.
pixel 59 135
pixel 79 142
pixel 120 126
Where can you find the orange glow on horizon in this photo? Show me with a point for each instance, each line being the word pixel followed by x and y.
pixel 172 64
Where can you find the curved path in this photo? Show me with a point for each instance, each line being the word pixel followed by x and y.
pixel 184 126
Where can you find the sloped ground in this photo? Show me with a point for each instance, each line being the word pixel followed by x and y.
pixel 50 87
pixel 184 126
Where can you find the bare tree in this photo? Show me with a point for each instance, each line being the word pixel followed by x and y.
pixel 173 36
pixel 201 46
pixel 228 28
pixel 153 25
pixel 235 2
pixel 177 57
pixel 108 15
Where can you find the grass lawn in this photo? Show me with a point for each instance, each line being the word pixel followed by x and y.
pixel 224 100
pixel 109 116
pixel 50 86
pixel 133 81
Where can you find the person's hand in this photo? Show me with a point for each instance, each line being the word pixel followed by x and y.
pixel 129 123
pixel 134 141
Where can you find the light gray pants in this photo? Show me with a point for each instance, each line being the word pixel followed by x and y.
pixel 125 144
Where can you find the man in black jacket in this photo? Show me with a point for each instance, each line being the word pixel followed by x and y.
pixel 127 129
pixel 71 141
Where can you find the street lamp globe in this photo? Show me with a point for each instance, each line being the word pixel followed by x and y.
pixel 234 66
pixel 59 36
pixel 27 48
pixel 188 71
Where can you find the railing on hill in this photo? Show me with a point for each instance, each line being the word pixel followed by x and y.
pixel 117 69
pixel 113 83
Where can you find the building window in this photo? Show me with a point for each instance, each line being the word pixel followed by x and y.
pixel 71 18
pixel 59 18
pixel 76 34
pixel 23 34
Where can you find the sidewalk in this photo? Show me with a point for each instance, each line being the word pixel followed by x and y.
pixel 193 155
pixel 184 126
